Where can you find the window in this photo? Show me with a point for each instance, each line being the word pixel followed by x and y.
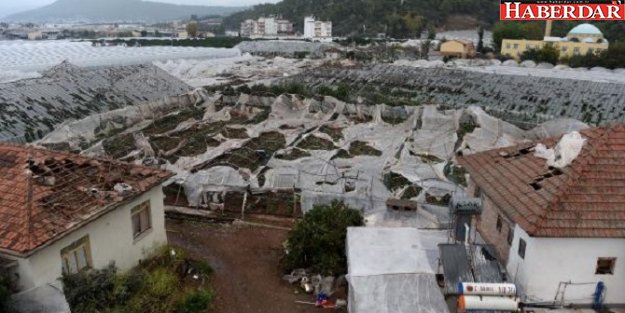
pixel 508 46
pixel 605 266
pixel 516 46
pixel 510 235
pixel 499 223
pixel 76 256
pixel 141 219
pixel 522 246
pixel 564 49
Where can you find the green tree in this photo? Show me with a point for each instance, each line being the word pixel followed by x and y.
pixel 516 30
pixel 192 29
pixel 318 240
pixel 548 53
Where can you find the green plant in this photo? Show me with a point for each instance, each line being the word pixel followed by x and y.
pixel 6 289
pixel 318 240
pixel 197 302
pixel 90 291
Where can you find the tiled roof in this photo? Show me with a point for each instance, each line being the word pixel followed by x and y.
pixel 584 199
pixel 46 194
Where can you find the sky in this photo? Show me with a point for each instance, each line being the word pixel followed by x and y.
pixel 12 6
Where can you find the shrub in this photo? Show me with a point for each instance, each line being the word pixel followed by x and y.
pixel 318 240
pixel 90 291
pixel 197 302
pixel 5 293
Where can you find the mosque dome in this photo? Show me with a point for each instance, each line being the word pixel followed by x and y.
pixel 585 29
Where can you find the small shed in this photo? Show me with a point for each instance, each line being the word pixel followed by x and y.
pixel 393 270
pixel 458 48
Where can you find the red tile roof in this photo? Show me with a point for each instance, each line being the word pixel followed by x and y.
pixel 46 194
pixel 585 199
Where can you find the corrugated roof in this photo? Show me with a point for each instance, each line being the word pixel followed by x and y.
pixel 46 194
pixel 585 199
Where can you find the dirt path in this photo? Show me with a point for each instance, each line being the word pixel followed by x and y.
pixel 245 259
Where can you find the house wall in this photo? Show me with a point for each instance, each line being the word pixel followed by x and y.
pixel 110 237
pixel 549 261
pixel 453 48
pixel 487 227
pixel 515 47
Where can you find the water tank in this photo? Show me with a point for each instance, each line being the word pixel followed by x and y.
pixel 484 289
pixel 466 303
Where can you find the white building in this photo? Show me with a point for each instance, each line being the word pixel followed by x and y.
pixel 266 27
pixel 559 230
pixel 314 29
pixel 64 213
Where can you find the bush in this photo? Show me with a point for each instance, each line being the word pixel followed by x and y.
pixel 5 293
pixel 548 54
pixel 318 240
pixel 197 302
pixel 90 291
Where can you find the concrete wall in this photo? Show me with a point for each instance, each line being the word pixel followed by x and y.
pixel 549 261
pixel 111 239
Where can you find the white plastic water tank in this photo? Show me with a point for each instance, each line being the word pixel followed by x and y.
pixel 466 303
pixel 486 289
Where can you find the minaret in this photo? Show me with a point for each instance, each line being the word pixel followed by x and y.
pixel 548 28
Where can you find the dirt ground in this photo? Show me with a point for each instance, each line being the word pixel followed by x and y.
pixel 245 260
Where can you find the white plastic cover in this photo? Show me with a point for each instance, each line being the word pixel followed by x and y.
pixel 564 153
pixel 392 270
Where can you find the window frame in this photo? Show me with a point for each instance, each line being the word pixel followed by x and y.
pixel 73 251
pixel 136 212
pixel 499 223
pixel 510 238
pixel 522 248
pixel 612 266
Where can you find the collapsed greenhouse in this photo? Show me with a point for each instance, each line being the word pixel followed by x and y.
pixel 234 152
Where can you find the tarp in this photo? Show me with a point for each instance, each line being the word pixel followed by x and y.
pixel 392 270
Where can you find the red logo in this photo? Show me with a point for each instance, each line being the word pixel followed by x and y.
pixel 522 10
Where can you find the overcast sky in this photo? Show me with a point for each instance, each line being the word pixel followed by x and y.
pixel 11 6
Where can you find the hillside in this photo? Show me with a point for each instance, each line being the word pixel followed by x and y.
pixel 115 11
pixel 398 18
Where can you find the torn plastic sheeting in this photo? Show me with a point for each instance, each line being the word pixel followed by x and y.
pixel 215 179
pixel 564 153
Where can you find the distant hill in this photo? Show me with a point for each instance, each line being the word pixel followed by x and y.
pixel 115 11
pixel 398 18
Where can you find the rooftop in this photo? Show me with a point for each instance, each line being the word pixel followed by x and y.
pixel 584 199
pixel 45 194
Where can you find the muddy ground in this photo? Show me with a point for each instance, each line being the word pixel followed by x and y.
pixel 245 260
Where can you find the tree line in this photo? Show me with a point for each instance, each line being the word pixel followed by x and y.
pixel 395 18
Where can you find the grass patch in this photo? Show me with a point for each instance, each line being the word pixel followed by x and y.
pixel 428 158
pixel 294 154
pixel 235 133
pixel 253 154
pixel 394 181
pixel 171 121
pixel 119 146
pixel 166 282
pixel 393 120
pixel 335 132
pixel 411 192
pixel 362 148
pixel 312 142
pixel 440 201
pixel 455 174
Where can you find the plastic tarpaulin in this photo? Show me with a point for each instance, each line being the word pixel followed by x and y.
pixel 392 270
